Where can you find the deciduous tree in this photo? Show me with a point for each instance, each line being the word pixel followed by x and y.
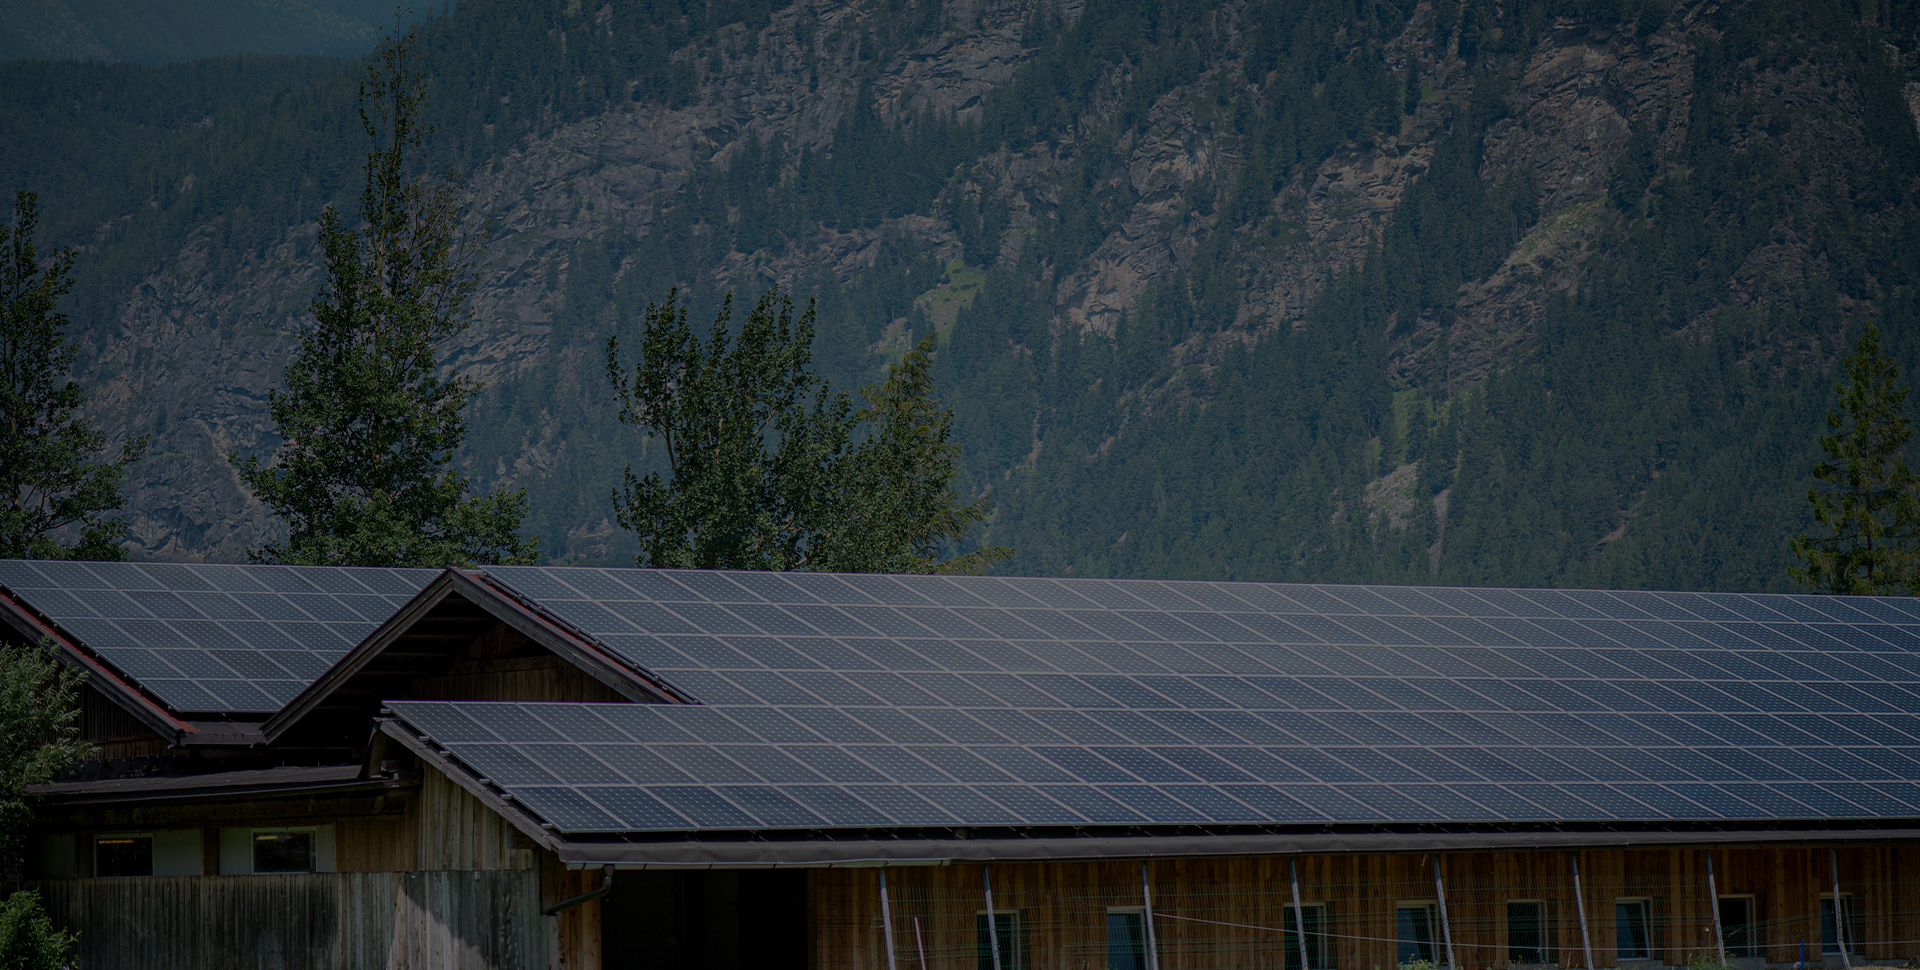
pixel 369 420
pixel 768 468
pixel 39 705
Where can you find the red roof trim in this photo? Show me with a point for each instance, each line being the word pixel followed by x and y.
pixel 96 667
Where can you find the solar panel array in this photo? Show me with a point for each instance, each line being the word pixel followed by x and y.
pixel 856 701
pixel 213 638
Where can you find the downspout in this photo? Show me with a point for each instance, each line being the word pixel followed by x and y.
pixel 606 886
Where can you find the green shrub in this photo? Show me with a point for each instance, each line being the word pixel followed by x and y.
pixel 28 939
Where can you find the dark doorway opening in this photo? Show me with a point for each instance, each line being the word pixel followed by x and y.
pixel 727 919
pixel 1739 922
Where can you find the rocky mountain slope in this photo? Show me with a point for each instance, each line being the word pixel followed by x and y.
pixel 1458 289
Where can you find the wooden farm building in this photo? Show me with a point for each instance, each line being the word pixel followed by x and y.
pixel 571 767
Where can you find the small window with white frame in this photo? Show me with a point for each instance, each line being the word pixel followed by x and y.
pixel 1740 926
pixel 1532 936
pixel 1417 925
pixel 1009 928
pixel 1127 938
pixel 283 851
pixel 1848 928
pixel 1320 949
pixel 123 854
pixel 1633 929
pixel 276 850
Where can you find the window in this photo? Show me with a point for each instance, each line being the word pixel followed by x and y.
pixel 1633 929
pixel 1319 953
pixel 123 855
pixel 1530 931
pixel 1739 926
pixel 1855 927
pixel 1011 929
pixel 276 850
pixel 1126 939
pixel 283 851
pixel 1417 926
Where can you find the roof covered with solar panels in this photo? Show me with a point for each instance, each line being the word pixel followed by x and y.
pixel 835 706
pixel 205 640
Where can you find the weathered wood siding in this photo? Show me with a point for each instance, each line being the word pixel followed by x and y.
pixel 449 920
pixel 454 830
pixel 577 932
pixel 546 678
pixel 1226 913
pixel 116 733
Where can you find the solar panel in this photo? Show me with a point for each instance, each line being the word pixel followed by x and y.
pixel 220 621
pixel 967 700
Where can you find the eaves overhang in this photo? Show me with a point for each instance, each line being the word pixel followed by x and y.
pixel 262 784
pixel 1091 847
pixel 923 846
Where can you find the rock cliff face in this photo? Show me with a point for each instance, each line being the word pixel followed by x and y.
pixel 198 353
pixel 202 348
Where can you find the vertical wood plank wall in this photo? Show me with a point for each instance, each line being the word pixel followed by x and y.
pixel 324 921
pixel 454 830
pixel 1225 913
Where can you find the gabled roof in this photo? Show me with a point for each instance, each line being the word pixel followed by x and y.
pixel 834 707
pixel 182 641
pixel 437 625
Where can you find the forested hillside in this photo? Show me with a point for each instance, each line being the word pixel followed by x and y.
pixel 1466 291
pixel 166 31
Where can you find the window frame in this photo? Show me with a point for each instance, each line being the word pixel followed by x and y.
pixel 1143 959
pixel 312 832
pixel 1849 910
pixel 104 837
pixel 1649 926
pixel 1753 942
pixel 1013 943
pixel 1547 926
pixel 236 852
pixel 1322 952
pixel 1433 943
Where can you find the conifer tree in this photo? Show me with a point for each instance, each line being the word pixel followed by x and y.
pixel 1869 509
pixel 56 493
pixel 767 467
pixel 904 514
pixel 368 420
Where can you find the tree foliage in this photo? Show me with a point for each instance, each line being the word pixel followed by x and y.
pixel 28 939
pixel 1642 441
pixel 39 705
pixel 763 467
pixel 904 514
pixel 56 496
pixel 369 421
pixel 38 740
pixel 1869 509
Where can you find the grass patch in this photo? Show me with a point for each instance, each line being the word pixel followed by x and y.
pixel 956 291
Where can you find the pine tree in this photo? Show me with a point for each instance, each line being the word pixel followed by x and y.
pixel 56 496
pixel 368 421
pixel 765 466
pixel 1870 508
pixel 904 515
